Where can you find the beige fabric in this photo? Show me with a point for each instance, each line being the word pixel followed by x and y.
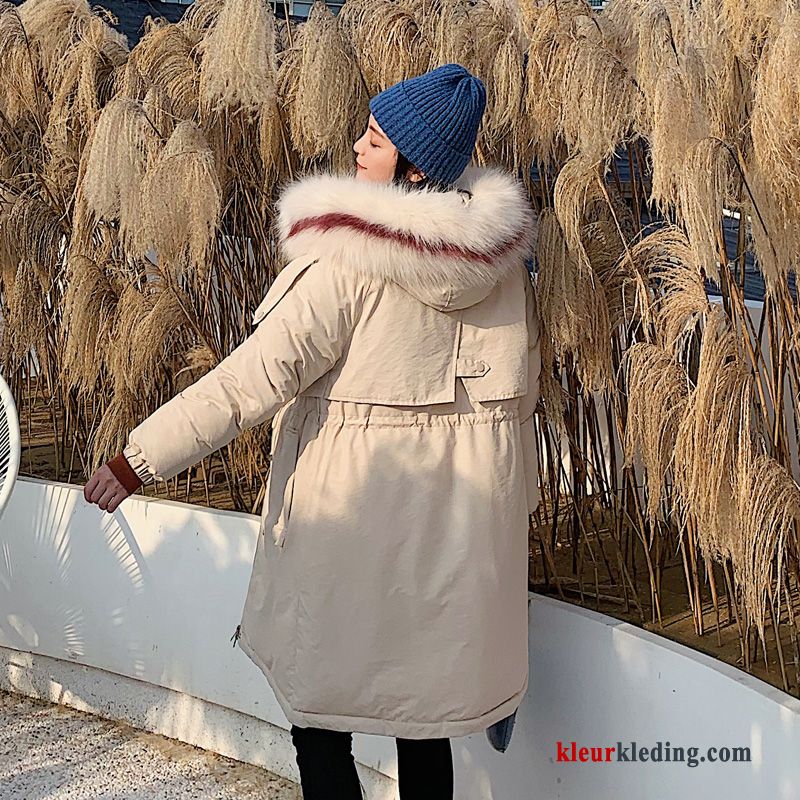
pixel 389 585
pixel 133 455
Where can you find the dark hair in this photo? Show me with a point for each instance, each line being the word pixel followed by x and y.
pixel 403 165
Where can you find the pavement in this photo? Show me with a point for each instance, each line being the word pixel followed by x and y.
pixel 52 752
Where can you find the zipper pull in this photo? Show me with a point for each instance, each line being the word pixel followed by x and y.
pixel 236 634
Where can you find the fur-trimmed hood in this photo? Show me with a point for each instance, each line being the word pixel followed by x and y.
pixel 448 249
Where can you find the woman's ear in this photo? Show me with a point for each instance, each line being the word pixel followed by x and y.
pixel 415 175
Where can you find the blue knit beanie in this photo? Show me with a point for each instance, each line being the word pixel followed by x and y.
pixel 433 119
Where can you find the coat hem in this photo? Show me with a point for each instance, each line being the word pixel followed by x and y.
pixel 383 727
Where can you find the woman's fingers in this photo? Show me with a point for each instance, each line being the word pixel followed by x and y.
pixel 89 488
pixel 104 489
pixel 118 497
pixel 99 489
pixel 106 497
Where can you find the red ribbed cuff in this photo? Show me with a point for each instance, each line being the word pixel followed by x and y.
pixel 124 473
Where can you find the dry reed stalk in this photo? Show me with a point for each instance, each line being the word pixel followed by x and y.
pixel 548 53
pixel 657 392
pixel 497 33
pixel 608 233
pixel 710 185
pixel 83 79
pixel 123 145
pixel 678 122
pixel 33 231
pixel 118 417
pixel 90 307
pixel 575 187
pixel 768 504
pixel 387 39
pixel 155 339
pixel 573 307
pixel 554 396
pixel 18 90
pixel 164 56
pixel 726 87
pixel 26 325
pixel 776 137
pixel 450 27
pixel 326 97
pixel 712 424
pixel 749 24
pixel 238 59
pixel 51 27
pixel 181 203
pixel 621 20
pixel 658 35
pixel 158 111
pixel 773 238
pixel 271 143
pixel 599 99
pixel 199 18
pixel 679 301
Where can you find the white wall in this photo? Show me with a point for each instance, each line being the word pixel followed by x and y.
pixel 131 614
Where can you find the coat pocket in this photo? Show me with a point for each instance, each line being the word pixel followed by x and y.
pixel 280 483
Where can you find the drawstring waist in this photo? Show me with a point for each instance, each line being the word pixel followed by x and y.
pixel 327 412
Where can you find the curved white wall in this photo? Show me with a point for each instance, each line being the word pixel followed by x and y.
pixel 131 615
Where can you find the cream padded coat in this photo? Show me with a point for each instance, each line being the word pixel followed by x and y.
pixel 398 352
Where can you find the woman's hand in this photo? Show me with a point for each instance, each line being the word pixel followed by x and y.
pixel 104 489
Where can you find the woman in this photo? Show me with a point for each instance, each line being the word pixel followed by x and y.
pixel 397 351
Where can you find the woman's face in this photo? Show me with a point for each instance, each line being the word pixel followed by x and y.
pixel 376 156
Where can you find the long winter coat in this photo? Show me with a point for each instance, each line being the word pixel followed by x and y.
pixel 398 350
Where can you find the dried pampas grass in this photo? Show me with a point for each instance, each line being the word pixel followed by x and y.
pixel 599 97
pixel 123 144
pixel 501 68
pixel 577 184
pixel 713 423
pixel 776 132
pixel 90 305
pixel 181 202
pixel 678 122
pixel 325 92
pixel 573 307
pixel 710 186
pixel 548 54
pixel 238 59
pixel 18 91
pixel 680 302
pixel 51 27
pixel 768 504
pixel 26 325
pixel 388 42
pixel 164 56
pixel 657 391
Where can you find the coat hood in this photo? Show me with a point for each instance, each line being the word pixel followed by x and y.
pixel 447 249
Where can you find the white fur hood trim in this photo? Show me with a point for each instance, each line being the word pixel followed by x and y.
pixel 435 244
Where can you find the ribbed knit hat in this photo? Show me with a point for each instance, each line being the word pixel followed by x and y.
pixel 433 119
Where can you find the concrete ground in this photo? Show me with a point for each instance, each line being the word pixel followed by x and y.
pixel 51 752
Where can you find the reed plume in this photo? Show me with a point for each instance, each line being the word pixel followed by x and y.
pixel 181 202
pixel 238 58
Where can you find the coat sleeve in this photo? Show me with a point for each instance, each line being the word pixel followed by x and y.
pixel 300 337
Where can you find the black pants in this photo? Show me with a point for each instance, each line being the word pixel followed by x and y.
pixel 328 770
